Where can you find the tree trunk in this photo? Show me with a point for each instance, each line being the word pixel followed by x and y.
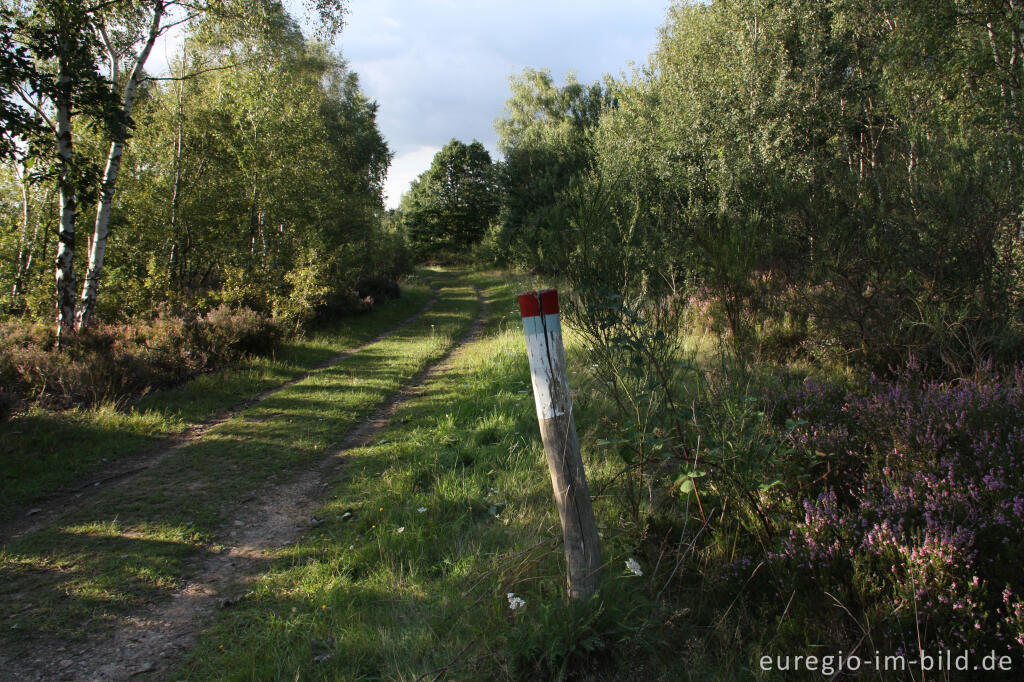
pixel 64 271
pixel 173 265
pixel 26 247
pixel 101 230
pixel 46 219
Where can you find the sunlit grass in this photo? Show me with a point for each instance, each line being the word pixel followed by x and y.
pixel 43 450
pixel 437 521
pixel 129 545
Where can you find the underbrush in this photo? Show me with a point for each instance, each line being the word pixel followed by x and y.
pixel 109 361
pixel 914 515
pixel 788 515
pixel 114 362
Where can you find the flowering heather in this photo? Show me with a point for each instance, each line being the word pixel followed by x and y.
pixel 913 509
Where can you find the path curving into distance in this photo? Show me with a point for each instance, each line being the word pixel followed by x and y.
pixel 49 509
pixel 240 516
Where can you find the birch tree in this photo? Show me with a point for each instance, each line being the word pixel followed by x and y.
pixel 115 54
pixel 133 54
pixel 62 84
pixel 68 41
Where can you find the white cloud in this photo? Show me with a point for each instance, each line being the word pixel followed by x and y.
pixel 439 68
pixel 404 169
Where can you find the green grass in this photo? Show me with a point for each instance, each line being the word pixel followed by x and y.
pixel 129 545
pixel 431 526
pixel 42 451
pixel 448 512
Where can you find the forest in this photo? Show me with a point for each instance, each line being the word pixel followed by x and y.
pixel 248 186
pixel 789 247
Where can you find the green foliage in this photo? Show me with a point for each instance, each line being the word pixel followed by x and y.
pixel 16 68
pixel 61 38
pixel 448 207
pixel 264 153
pixel 547 139
pixel 834 180
pixel 277 188
pixel 558 640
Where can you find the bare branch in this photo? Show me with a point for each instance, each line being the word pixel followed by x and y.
pixel 111 52
pixel 190 75
pixel 102 6
pixel 190 17
pixel 36 106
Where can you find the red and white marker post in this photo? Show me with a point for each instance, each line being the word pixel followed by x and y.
pixel 543 327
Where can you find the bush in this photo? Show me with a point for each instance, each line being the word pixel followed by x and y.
pixel 115 361
pixel 227 335
pixel 923 530
pixel 558 640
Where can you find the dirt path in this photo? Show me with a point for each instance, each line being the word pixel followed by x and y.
pixel 153 641
pixel 49 509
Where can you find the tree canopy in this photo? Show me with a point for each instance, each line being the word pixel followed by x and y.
pixel 851 168
pixel 253 176
pixel 449 206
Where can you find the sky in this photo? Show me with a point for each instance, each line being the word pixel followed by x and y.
pixel 439 69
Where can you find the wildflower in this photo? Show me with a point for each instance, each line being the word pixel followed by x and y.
pixel 515 602
pixel 421 510
pixel 323 607
pixel 633 567
pixel 401 529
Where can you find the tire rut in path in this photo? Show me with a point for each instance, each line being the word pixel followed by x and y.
pixel 153 641
pixel 50 508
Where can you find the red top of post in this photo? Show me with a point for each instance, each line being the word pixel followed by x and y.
pixel 529 304
pixel 549 301
pixel 532 303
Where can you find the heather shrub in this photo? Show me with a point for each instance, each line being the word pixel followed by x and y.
pixel 31 367
pixel 158 352
pixel 227 334
pixel 919 523
pixel 22 348
pixel 117 361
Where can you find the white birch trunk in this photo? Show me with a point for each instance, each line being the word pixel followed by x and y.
pixel 26 247
pixel 64 270
pixel 175 255
pixel 101 230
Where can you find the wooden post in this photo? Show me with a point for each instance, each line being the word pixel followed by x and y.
pixel 543 327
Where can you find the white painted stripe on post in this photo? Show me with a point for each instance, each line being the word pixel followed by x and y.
pixel 540 368
pixel 533 326
pixel 544 350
